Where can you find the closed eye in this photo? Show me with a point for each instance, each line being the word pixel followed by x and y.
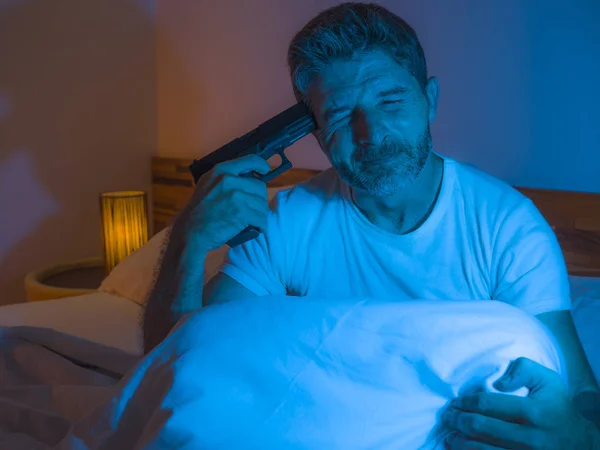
pixel 336 121
pixel 390 102
pixel 339 120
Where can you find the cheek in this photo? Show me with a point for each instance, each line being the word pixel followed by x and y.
pixel 413 113
pixel 339 146
pixel 411 123
pixel 421 112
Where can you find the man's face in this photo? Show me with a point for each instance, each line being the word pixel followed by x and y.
pixel 373 121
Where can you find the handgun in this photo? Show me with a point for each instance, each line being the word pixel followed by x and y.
pixel 270 138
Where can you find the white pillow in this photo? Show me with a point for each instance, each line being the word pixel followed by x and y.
pixel 133 278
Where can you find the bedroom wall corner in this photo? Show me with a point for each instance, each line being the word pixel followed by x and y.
pixel 77 117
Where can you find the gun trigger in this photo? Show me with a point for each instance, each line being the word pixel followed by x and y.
pixel 284 166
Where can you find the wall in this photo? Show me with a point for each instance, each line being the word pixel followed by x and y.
pixel 77 117
pixel 518 80
pixel 88 90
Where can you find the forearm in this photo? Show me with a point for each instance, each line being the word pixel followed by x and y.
pixel 177 290
pixel 588 404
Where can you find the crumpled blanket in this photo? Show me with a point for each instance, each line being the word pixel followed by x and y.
pixel 49 381
pixel 309 373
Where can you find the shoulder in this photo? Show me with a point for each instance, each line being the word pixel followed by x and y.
pixel 493 204
pixel 480 188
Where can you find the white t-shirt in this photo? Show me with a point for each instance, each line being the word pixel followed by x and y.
pixel 483 240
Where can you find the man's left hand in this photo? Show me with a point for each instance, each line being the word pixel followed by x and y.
pixel 545 419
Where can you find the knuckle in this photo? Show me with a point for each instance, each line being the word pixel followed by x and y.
pixel 479 402
pixel 519 364
pixel 532 415
pixel 218 170
pixel 261 216
pixel 473 424
pixel 234 208
pixel 226 181
pixel 236 195
pixel 257 185
pixel 262 187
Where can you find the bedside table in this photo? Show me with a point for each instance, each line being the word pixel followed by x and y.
pixel 65 280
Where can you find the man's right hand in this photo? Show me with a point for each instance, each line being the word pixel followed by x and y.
pixel 225 203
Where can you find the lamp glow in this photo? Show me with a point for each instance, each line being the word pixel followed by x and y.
pixel 124 224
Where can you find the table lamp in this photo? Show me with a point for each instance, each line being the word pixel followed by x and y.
pixel 124 224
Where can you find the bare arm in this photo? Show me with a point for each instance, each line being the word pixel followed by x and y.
pixel 583 387
pixel 223 204
pixel 177 290
pixel 223 288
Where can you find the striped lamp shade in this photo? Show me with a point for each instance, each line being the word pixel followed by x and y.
pixel 124 224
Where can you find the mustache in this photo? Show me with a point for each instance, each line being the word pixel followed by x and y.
pixel 372 153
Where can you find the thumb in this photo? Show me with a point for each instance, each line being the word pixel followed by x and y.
pixel 523 372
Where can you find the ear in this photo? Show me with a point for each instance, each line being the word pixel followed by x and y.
pixel 432 91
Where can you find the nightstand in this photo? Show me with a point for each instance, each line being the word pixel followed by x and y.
pixel 65 280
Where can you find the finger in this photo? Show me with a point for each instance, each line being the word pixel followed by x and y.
pixel 247 210
pixel 252 186
pixel 528 373
pixel 250 163
pixel 236 223
pixel 487 430
pixel 251 217
pixel 259 207
pixel 231 170
pixel 257 218
pixel 458 442
pixel 505 407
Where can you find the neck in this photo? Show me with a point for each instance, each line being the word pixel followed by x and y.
pixel 404 211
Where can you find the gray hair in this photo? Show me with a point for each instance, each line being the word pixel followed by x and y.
pixel 343 31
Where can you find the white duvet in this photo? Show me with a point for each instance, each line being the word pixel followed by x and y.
pixel 301 373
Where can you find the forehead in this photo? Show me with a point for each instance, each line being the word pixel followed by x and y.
pixel 350 79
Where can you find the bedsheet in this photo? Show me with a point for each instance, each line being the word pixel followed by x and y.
pixel 284 373
pixel 98 317
pixel 49 381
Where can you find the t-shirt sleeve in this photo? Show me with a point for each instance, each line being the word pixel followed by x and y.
pixel 530 269
pixel 259 264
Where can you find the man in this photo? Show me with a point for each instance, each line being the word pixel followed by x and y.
pixel 391 216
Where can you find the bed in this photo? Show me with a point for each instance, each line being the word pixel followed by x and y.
pixel 99 334
pixel 111 316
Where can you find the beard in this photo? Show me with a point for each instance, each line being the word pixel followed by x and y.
pixel 388 168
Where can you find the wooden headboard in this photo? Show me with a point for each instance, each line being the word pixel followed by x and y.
pixel 574 216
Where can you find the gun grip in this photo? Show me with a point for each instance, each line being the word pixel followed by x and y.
pixel 247 234
pixel 252 232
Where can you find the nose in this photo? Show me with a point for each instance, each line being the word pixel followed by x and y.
pixel 368 130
